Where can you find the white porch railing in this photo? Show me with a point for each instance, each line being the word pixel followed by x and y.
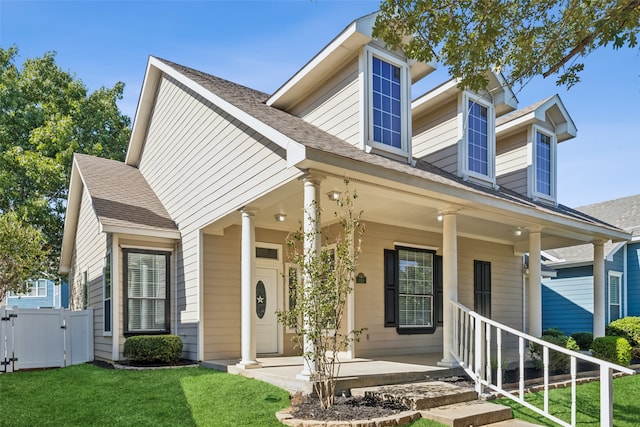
pixel 472 348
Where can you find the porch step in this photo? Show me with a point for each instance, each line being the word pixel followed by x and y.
pixel 421 395
pixel 471 413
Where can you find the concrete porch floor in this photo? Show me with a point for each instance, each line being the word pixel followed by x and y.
pixel 359 372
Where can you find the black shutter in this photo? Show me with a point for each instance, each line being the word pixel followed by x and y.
pixel 437 279
pixel 482 287
pixel 390 289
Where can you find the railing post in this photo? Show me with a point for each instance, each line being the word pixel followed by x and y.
pixel 521 369
pixel 574 370
pixel 487 333
pixel 545 363
pixel 499 356
pixel 478 354
pixel 606 396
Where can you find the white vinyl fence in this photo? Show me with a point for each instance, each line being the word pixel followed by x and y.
pixel 44 338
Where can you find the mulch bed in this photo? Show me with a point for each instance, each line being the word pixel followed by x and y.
pixel 345 408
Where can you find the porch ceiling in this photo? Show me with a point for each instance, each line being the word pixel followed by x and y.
pixel 396 207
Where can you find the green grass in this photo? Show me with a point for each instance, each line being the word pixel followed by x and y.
pixel 626 404
pixel 86 395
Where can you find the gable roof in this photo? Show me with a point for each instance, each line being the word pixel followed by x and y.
pixel 307 145
pixel 121 198
pixel 344 46
pixel 623 213
pixel 537 112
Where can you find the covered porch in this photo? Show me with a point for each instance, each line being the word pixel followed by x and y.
pixel 284 371
pixel 459 223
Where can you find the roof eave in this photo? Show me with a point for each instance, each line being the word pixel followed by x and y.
pixel 71 218
pixel 155 69
pixel 140 231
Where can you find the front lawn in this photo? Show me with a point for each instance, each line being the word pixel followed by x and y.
pixel 626 405
pixel 86 395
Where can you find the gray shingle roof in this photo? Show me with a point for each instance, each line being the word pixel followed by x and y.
pixel 521 112
pixel 623 213
pixel 121 196
pixel 253 102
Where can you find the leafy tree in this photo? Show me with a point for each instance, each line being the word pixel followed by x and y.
pixel 319 299
pixel 22 254
pixel 46 115
pixel 522 39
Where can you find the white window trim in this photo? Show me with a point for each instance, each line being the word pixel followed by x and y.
pixel 533 178
pixel 12 294
pixel 463 158
pixel 106 333
pixel 403 153
pixel 617 274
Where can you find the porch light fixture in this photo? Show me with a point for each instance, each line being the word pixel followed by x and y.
pixel 517 233
pixel 333 195
pixel 280 217
pixel 439 217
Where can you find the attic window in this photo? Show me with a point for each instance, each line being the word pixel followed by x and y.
pixel 387 127
pixel 544 155
pixel 479 147
pixel 388 119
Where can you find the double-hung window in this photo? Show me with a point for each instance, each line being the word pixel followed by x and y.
pixel 479 139
pixel 388 103
pixel 412 290
pixel 544 163
pixel 146 291
pixel 615 279
pixel 106 295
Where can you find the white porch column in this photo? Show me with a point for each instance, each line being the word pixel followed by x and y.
pixel 535 284
pixel 311 229
pixel 247 291
pixel 449 282
pixel 598 289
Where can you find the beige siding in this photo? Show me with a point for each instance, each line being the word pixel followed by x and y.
pixel 90 248
pixel 436 135
pixel 512 162
pixel 224 159
pixel 221 315
pixel 335 106
pixel 369 311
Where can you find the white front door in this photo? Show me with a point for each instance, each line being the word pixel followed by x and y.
pixel 265 307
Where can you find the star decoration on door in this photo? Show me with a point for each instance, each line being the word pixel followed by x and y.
pixel 260 300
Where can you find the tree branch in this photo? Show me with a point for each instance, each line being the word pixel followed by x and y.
pixel 588 39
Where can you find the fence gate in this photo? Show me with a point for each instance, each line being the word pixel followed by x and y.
pixel 44 338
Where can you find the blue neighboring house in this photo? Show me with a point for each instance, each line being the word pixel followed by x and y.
pixel 567 299
pixel 41 293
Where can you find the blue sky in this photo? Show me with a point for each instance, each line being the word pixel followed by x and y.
pixel 262 43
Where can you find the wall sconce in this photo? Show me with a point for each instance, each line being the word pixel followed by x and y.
pixel 517 233
pixel 333 195
pixel 280 217
pixel 439 217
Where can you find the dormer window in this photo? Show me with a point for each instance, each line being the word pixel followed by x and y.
pixel 385 79
pixel 479 145
pixel 544 147
pixel 388 119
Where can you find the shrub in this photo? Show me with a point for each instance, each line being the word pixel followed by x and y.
pixel 583 339
pixel 153 348
pixel 613 349
pixel 558 362
pixel 635 353
pixel 554 332
pixel 627 327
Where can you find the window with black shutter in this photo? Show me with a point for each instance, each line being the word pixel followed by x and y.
pixel 412 290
